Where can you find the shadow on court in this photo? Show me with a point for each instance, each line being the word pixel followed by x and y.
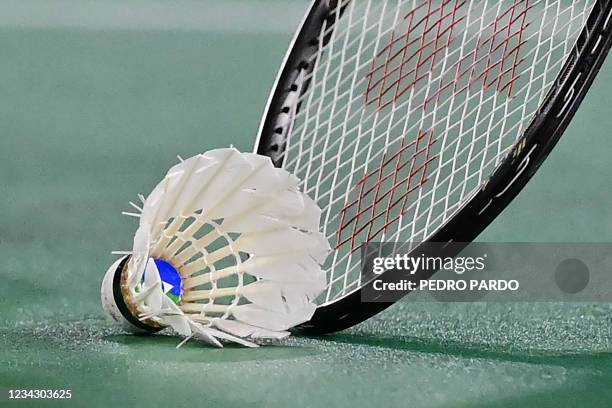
pixel 595 361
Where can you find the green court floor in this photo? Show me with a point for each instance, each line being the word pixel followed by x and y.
pixel 92 115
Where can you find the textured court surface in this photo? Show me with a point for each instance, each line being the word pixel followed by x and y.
pixel 94 111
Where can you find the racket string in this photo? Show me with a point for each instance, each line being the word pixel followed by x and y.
pixel 468 74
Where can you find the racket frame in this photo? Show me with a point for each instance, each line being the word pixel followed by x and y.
pixel 494 195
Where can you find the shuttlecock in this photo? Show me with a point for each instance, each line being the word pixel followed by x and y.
pixel 227 248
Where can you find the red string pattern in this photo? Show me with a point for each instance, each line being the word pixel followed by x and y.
pixel 383 194
pixel 381 197
pixel 409 58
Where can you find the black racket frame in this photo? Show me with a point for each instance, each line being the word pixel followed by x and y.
pixel 509 178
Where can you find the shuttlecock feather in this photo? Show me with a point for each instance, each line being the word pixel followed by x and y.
pixel 227 249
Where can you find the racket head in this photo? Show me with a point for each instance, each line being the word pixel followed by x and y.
pixel 385 78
